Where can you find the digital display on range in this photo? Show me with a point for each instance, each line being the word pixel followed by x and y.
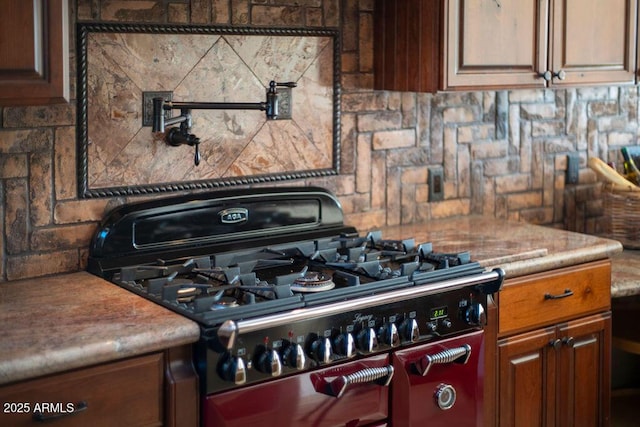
pixel 438 313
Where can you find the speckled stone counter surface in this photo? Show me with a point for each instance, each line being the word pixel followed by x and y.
pixel 625 274
pixel 519 248
pixel 53 324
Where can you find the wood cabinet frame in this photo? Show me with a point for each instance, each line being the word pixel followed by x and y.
pixel 43 78
pixel 421 45
pixel 557 370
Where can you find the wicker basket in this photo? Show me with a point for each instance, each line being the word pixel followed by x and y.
pixel 622 216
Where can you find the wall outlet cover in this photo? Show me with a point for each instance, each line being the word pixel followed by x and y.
pixel 436 184
pixel 573 168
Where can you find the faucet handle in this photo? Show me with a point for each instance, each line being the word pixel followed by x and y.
pixel 180 136
pixel 197 157
pixel 286 84
pixel 273 84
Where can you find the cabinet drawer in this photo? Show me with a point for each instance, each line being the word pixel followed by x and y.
pixel 126 393
pixel 546 298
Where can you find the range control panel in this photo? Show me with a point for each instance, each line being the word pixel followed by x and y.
pixel 303 345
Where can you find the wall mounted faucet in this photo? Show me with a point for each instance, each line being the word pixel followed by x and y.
pixel 177 136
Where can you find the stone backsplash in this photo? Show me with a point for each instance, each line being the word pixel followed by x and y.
pixel 503 153
pixel 205 67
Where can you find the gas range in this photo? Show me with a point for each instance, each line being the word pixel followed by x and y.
pixel 281 287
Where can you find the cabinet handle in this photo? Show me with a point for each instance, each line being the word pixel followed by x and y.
pixel 546 75
pixel 567 293
pixel 41 418
pixel 568 341
pixel 556 344
pixel 560 75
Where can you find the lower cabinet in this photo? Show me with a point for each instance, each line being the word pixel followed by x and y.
pixel 150 390
pixel 553 354
pixel 556 376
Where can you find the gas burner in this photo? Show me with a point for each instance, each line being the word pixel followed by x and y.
pixel 187 294
pixel 313 281
pixel 224 303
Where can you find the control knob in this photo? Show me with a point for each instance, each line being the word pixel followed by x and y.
pixel 389 334
pixel 321 350
pixel 344 345
pixel 475 314
pixel 409 330
pixel 267 361
pixel 366 340
pixel 293 356
pixel 231 368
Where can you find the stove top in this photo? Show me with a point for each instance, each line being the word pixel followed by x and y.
pixel 248 283
pixel 279 285
pixel 247 253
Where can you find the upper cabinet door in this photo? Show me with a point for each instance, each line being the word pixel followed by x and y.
pixel 593 41
pixel 430 45
pixel 34 52
pixel 495 43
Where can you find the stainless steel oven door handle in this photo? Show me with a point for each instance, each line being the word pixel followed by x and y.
pixel 454 355
pixel 337 387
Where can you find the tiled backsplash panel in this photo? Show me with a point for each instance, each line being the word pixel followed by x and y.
pixel 503 153
pixel 234 144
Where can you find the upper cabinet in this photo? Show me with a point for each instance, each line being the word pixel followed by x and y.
pixel 34 52
pixel 426 46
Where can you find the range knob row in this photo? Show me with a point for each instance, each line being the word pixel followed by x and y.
pixel 339 345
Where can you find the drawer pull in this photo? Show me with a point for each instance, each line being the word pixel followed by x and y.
pixel 567 293
pixel 42 418
pixel 569 341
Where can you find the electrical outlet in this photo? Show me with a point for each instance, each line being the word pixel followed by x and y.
pixel 147 105
pixel 573 168
pixel 436 184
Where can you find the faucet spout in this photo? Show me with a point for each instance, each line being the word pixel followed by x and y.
pixel 181 136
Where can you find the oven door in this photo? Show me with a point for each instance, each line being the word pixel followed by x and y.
pixel 439 384
pixel 318 398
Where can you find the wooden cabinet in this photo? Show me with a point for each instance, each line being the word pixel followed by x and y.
pixel 121 393
pixel 426 46
pixel 151 390
pixel 556 376
pixel 593 41
pixel 556 371
pixel 34 52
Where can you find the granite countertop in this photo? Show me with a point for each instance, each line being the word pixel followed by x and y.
pixel 625 274
pixel 53 324
pixel 518 248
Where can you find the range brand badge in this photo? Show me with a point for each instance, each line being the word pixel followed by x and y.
pixel 234 215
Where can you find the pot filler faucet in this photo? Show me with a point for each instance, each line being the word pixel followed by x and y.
pixel 177 136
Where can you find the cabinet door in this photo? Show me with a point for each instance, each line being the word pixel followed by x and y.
pixel 34 52
pixel 526 372
pixel 593 41
pixel 122 393
pixel 583 380
pixel 495 43
pixel 407 41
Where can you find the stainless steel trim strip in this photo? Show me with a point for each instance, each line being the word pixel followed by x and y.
pixel 280 319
